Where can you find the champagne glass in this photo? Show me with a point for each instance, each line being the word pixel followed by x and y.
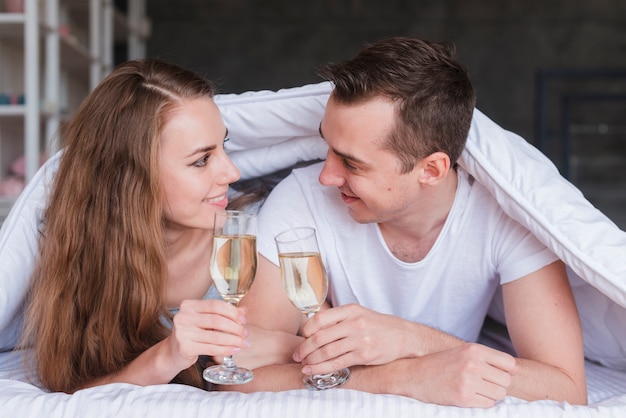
pixel 233 267
pixel 306 284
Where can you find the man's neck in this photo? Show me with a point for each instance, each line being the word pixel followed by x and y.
pixel 411 237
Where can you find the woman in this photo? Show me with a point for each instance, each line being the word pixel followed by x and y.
pixel 127 234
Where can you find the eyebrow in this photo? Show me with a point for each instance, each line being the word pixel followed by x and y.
pixel 342 154
pixel 209 148
pixel 202 150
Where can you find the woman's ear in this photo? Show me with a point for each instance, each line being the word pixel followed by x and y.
pixel 434 168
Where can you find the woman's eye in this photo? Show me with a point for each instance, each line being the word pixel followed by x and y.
pixel 202 161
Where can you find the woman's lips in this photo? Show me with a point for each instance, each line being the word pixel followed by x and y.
pixel 221 201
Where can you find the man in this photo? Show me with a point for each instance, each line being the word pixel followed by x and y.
pixel 415 249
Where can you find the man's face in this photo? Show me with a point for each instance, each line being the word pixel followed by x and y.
pixel 365 172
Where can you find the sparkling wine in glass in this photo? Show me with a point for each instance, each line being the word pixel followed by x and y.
pixel 233 267
pixel 305 281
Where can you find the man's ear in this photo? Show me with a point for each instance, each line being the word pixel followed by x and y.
pixel 434 168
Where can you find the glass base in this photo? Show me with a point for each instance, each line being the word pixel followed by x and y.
pixel 222 375
pixel 326 381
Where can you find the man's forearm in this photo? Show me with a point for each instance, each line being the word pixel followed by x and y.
pixel 538 381
pixel 435 378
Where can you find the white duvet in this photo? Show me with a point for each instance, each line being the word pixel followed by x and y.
pixel 273 130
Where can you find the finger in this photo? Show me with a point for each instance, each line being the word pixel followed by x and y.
pixel 471 390
pixel 215 350
pixel 346 348
pixel 213 306
pixel 221 325
pixel 323 320
pixel 208 320
pixel 338 363
pixel 216 330
pixel 217 338
pixel 491 391
pixel 498 377
pixel 502 361
pixel 243 314
pixel 204 327
pixel 206 313
pixel 323 338
pixel 488 355
pixel 210 341
pixel 189 345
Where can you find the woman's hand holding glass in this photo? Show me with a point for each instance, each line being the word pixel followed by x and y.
pixel 233 268
pixel 206 327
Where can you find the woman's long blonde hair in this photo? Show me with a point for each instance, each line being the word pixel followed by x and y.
pixel 96 298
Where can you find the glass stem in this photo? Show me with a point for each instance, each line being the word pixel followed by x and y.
pixel 229 363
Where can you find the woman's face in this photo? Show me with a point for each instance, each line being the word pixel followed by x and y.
pixel 195 171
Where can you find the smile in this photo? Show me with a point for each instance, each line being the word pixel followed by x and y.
pixel 348 199
pixel 215 199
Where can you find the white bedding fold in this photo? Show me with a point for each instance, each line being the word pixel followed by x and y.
pixel 124 400
pixel 258 162
pixel 20 399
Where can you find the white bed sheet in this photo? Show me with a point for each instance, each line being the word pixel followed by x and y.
pixel 607 398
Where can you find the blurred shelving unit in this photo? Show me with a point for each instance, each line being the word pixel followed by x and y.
pixel 52 53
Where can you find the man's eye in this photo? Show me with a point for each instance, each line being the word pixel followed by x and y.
pixel 347 165
pixel 202 161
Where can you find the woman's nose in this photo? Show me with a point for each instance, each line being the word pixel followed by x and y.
pixel 231 173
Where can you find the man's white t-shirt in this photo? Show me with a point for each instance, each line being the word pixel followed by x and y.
pixel 479 248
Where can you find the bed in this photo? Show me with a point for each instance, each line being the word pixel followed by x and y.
pixel 273 130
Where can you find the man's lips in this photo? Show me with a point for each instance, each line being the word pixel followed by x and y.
pixel 347 199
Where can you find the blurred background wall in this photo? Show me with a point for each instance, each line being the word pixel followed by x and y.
pixel 553 71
